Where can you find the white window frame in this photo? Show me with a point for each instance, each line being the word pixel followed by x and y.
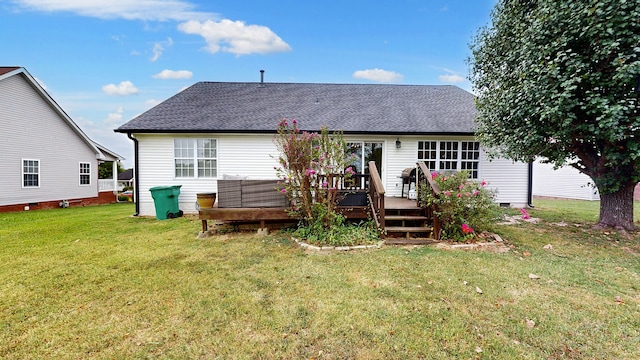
pixel 36 173
pixel 450 156
pixel 190 156
pixel 84 172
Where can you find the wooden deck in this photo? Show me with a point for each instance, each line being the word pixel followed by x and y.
pixel 263 216
pixel 399 203
pixel 400 220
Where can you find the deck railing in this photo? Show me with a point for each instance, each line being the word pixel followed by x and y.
pixel 424 182
pixel 376 196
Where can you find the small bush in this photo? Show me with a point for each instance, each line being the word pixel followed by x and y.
pixel 341 234
pixel 465 207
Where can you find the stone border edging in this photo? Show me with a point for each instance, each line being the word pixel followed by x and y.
pixel 306 246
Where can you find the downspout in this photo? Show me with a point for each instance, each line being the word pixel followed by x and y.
pixel 136 178
pixel 530 186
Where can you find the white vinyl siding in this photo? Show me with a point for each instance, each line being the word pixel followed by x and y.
pixel 254 156
pixel 85 174
pixel 509 178
pixel 251 156
pixel 27 118
pixel 565 182
pixel 30 173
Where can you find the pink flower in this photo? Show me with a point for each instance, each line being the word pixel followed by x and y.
pixel 459 195
pixel 310 172
pixel 447 193
pixel 349 170
pixel 294 121
pixel 467 229
pixel 483 183
pixel 434 175
pixel 461 187
pixel 284 191
pixel 325 184
pixel 476 192
pixel 525 214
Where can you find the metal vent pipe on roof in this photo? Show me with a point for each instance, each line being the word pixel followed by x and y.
pixel 261 76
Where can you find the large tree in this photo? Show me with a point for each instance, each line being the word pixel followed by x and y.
pixel 561 79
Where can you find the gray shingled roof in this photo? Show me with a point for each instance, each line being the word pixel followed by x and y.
pixel 352 108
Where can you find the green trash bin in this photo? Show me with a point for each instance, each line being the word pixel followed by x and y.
pixel 165 199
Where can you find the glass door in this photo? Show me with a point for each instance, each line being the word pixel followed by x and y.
pixel 363 153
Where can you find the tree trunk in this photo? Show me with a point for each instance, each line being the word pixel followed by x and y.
pixel 616 209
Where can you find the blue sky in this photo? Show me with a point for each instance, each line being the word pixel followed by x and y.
pixel 107 61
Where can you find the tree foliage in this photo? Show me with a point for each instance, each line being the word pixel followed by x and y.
pixel 105 170
pixel 561 79
pixel 312 166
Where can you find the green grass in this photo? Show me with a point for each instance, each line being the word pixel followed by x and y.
pixel 95 283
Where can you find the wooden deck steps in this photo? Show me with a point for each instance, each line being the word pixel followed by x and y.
pixel 406 218
pixel 405 221
pixel 409 231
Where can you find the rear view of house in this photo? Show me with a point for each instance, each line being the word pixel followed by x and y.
pixel 47 161
pixel 217 130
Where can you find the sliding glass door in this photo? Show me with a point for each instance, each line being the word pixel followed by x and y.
pixel 363 153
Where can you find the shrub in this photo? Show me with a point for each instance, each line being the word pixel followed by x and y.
pixel 465 207
pixel 312 168
pixel 312 165
pixel 341 234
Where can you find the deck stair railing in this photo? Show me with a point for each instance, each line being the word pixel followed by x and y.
pixel 376 196
pixel 424 182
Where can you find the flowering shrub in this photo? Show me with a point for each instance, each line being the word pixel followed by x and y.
pixel 464 206
pixel 312 165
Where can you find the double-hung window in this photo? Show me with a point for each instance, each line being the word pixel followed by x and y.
pixel 195 158
pixel 85 173
pixel 447 156
pixel 30 173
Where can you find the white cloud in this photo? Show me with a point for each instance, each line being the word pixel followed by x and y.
pixel 114 119
pixel 123 89
pixel 151 103
pixel 173 74
pixel 235 37
pixel 225 35
pixel 451 78
pixel 378 75
pixel 158 48
pixel 146 10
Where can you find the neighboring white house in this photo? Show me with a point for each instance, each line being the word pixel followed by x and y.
pixel 215 129
pixel 565 182
pixel 46 159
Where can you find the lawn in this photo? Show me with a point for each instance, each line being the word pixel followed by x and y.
pixel 96 283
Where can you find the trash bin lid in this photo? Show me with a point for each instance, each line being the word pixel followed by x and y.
pixel 156 188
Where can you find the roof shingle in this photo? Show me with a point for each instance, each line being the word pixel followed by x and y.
pixel 352 108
